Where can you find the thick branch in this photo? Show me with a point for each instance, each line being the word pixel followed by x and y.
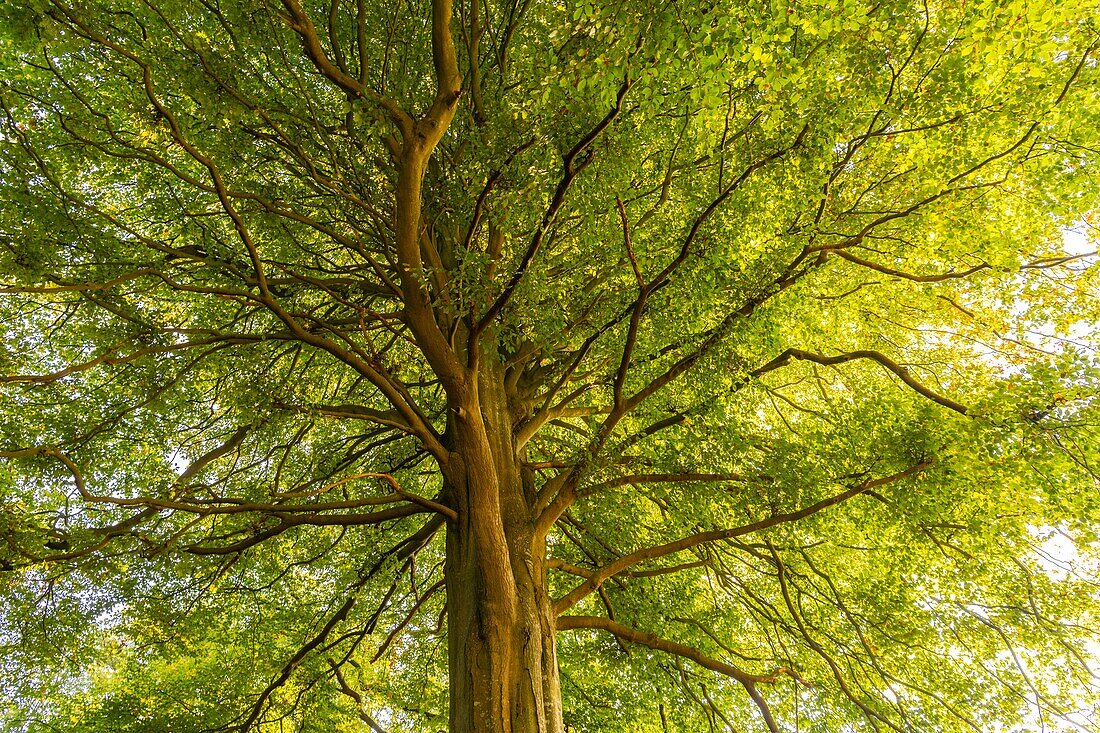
pixel 300 22
pixel 907 276
pixel 418 311
pixel 875 356
pixel 626 633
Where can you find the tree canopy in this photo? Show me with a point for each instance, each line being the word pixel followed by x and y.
pixel 512 365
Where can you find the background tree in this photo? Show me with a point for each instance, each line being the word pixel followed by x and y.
pixel 512 365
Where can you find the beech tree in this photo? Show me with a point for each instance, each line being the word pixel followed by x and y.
pixel 519 366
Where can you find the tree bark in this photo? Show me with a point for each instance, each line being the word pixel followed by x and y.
pixel 502 659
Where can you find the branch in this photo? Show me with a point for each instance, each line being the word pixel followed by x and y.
pixel 557 496
pixel 419 313
pixel 209 457
pixel 296 660
pixel 651 553
pixel 108 358
pixel 570 169
pixel 416 498
pixel 656 478
pixel 697 225
pixel 626 633
pixel 405 622
pixel 338 520
pixel 490 183
pixel 388 418
pixel 448 80
pixel 636 309
pixel 1039 264
pixel 902 373
pixel 299 21
pixel 288 515
pixel 74 287
pixel 360 705
pixel 905 275
pixel 210 507
pixel 527 430
pixel 965 174
pixel 570 623
pixel 566 567
pixel 402 551
pixel 796 614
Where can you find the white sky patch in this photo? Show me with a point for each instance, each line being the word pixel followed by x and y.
pixel 1076 242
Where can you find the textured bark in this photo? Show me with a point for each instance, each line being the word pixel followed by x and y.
pixel 503 666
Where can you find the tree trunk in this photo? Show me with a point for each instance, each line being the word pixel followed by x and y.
pixel 502 661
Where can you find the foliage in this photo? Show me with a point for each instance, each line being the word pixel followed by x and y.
pixel 785 283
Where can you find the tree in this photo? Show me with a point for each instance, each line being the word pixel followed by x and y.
pixel 518 365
